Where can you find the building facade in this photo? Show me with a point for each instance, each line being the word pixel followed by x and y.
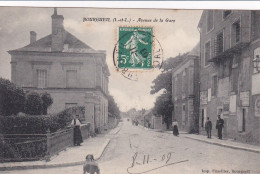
pixel 71 71
pixel 185 92
pixel 230 42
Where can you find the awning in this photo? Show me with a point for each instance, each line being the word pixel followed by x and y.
pixel 230 52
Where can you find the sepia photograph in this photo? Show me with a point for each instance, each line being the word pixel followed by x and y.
pixel 98 90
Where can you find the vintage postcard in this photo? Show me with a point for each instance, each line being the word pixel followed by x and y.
pixel 129 91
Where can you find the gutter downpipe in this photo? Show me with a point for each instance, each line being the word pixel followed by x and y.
pixel 198 117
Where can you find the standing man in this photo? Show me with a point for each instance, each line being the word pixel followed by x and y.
pixel 208 127
pixel 219 126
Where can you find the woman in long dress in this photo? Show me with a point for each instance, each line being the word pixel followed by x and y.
pixel 175 130
pixel 77 137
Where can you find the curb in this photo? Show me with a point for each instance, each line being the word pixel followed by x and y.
pixel 45 166
pixel 225 145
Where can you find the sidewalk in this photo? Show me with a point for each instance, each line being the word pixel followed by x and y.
pixel 74 155
pixel 229 143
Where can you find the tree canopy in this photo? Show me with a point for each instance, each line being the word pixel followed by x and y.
pixel 113 109
pixel 163 105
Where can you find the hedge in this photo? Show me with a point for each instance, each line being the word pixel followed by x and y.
pixel 39 124
pixel 29 124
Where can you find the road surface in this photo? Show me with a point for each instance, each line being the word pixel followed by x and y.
pixel 135 150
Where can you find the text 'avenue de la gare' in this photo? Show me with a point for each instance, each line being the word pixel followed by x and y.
pixel 127 20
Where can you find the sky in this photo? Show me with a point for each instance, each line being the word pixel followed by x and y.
pixel 175 37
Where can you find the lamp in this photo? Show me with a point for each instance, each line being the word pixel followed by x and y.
pixel 256 62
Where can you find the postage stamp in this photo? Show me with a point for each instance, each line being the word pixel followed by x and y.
pixel 135 47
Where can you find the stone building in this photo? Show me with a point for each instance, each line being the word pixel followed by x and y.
pixel 185 92
pixel 71 71
pixel 229 83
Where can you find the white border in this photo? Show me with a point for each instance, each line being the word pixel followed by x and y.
pixel 245 5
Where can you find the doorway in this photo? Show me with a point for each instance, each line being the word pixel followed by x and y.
pixel 243 120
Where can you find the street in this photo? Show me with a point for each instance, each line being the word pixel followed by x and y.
pixel 137 150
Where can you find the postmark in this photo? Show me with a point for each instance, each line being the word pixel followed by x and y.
pixel 137 50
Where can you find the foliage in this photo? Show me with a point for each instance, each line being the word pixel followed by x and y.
pixel 12 98
pixel 163 105
pixel 164 80
pixel 29 124
pixel 33 104
pixel 46 102
pixel 65 116
pixel 113 109
pixel 38 124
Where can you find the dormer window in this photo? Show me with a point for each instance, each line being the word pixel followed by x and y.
pixel 226 13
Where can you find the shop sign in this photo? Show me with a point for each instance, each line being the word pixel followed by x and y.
pixel 244 99
pixel 257 107
pixel 203 97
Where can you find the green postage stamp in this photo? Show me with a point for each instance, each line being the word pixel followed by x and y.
pixel 135 48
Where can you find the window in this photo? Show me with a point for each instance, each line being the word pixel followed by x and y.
pixel 207 53
pixel 226 13
pixel 41 78
pixel 70 105
pixel 71 78
pixel 219 44
pixel 234 80
pixel 210 18
pixel 236 31
pixel 214 86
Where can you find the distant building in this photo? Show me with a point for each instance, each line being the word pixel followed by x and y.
pixel 229 83
pixel 71 71
pixel 185 92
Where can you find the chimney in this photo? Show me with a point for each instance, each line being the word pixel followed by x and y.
pixel 57 32
pixel 33 36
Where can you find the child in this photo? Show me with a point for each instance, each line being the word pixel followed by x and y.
pixel 90 166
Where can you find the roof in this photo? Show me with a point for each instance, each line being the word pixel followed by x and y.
pixel 201 18
pixel 195 51
pixel 74 45
pixel 193 54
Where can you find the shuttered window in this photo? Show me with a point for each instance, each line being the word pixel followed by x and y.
pixel 210 18
pixel 207 53
pixel 219 44
pixel 214 86
pixel 236 30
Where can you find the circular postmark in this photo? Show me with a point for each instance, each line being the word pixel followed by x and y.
pixel 137 50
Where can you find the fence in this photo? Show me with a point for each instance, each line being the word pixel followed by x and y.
pixel 25 147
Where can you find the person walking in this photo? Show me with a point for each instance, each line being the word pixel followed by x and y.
pixel 208 127
pixel 219 126
pixel 175 130
pixel 90 166
pixel 77 137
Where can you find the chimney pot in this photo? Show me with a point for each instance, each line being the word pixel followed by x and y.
pixel 33 36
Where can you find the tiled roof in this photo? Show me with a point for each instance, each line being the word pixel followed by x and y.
pixel 71 45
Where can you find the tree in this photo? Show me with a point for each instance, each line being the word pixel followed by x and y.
pixel 12 98
pixel 163 105
pixel 46 102
pixel 33 104
pixel 113 109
